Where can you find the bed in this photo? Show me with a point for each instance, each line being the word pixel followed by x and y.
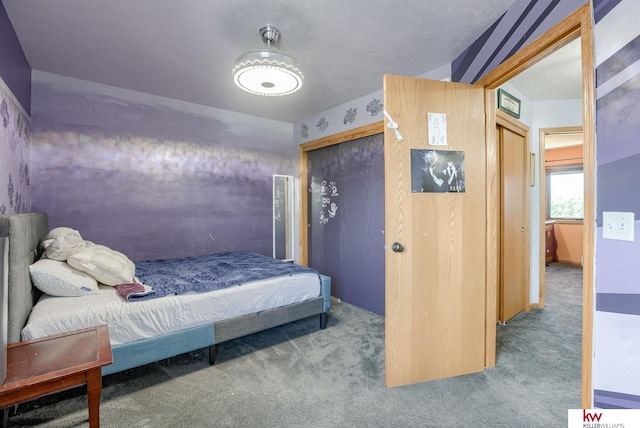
pixel 193 328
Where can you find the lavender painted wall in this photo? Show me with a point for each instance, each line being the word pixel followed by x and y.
pixel 346 211
pixel 15 92
pixel 617 319
pixel 153 177
pixel 14 68
pixel 15 195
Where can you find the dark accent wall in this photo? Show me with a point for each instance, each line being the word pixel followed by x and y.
pixel 151 177
pixel 14 68
pixel 346 212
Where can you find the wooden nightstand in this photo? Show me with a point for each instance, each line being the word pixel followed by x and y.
pixel 55 363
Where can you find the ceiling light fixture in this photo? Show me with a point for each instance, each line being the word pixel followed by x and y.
pixel 268 72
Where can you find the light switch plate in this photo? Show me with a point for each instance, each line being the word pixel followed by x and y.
pixel 618 225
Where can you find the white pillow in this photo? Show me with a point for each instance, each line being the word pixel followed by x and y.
pixel 107 266
pixel 57 278
pixel 62 242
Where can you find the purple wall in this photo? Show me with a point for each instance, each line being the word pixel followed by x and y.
pixel 617 343
pixel 153 177
pixel 346 212
pixel 14 68
pixel 15 99
pixel 15 195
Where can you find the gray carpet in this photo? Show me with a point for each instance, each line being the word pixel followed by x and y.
pixel 299 376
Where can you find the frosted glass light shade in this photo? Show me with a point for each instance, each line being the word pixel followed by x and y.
pixel 267 73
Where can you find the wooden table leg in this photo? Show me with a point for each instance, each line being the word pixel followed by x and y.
pixel 94 387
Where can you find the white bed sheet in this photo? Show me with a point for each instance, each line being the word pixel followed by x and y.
pixel 131 321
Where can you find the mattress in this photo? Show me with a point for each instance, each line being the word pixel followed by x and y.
pixel 132 321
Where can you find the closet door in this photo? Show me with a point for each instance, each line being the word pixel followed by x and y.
pixel 346 219
pixel 514 254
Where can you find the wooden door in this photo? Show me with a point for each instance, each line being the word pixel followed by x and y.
pixel 514 245
pixel 435 287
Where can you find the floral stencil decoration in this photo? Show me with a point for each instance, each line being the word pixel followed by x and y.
pixel 14 156
pixel 18 204
pixel 26 174
pixel 374 107
pixel 23 128
pixel 322 124
pixel 304 130
pixel 4 113
pixel 10 190
pixel 350 115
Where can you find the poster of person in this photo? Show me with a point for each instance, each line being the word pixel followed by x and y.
pixel 437 124
pixel 440 171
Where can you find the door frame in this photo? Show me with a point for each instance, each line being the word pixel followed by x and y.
pixel 543 201
pixel 578 24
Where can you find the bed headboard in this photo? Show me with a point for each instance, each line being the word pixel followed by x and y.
pixel 25 233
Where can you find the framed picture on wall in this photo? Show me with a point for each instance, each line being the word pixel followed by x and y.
pixel 508 103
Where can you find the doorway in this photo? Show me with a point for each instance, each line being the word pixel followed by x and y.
pixel 579 24
pixel 561 238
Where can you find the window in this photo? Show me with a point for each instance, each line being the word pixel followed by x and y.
pixel 565 193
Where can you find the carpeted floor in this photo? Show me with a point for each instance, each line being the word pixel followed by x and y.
pixel 299 376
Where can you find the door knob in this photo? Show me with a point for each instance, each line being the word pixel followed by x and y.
pixel 397 247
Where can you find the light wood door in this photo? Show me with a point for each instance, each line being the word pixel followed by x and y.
pixel 435 288
pixel 514 195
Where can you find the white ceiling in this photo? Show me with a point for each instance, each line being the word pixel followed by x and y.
pixel 185 49
pixel 556 77
pixel 561 140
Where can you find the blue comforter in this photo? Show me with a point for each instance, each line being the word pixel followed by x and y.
pixel 210 272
